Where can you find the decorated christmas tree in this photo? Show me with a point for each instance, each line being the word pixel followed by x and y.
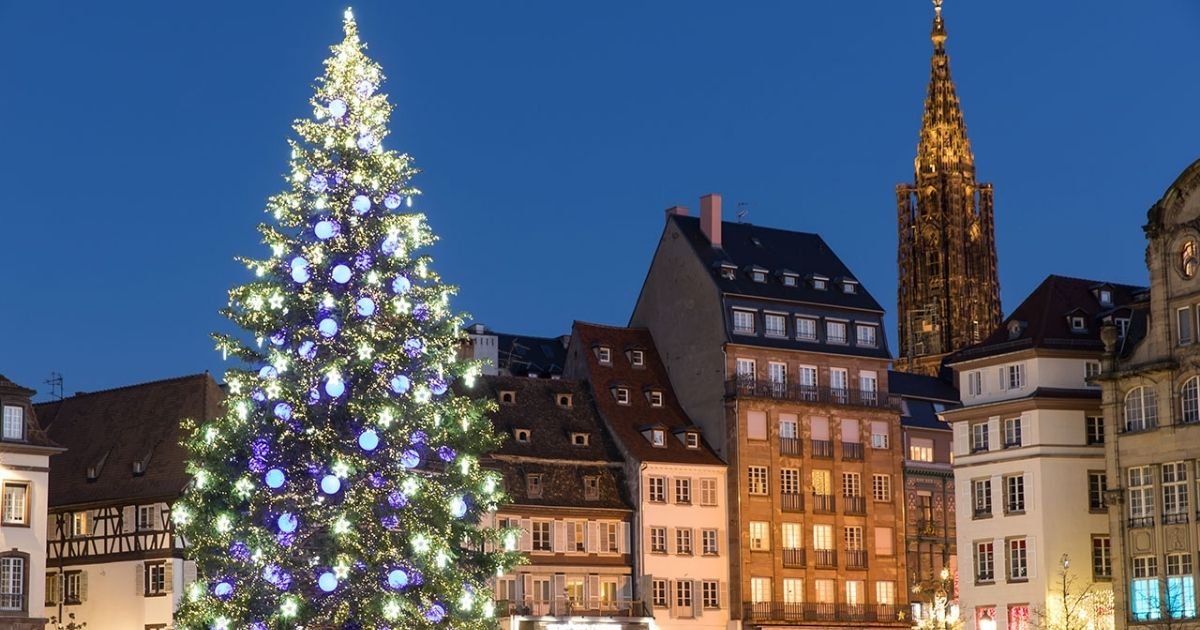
pixel 342 487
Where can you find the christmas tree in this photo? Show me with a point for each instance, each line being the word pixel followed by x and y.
pixel 342 487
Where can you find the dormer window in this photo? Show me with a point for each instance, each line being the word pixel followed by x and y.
pixel 658 438
pixel 604 355
pixel 14 423
pixel 1014 329
pixel 728 272
pixel 533 486
pixel 564 401
pixel 790 279
pixel 1078 324
pixel 1122 327
pixel 849 286
pixel 622 395
pixel 1105 297
pixel 521 435
pixel 508 397
pixel 819 283
pixel 637 358
pixel 655 397
pixel 580 439
pixel 743 322
pixel 591 488
pixel 692 440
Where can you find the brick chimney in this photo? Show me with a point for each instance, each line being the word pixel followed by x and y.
pixel 710 218
pixel 677 210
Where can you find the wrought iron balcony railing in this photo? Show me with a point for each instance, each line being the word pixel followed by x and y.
pixel 856 558
pixel 791 502
pixel 852 450
pixel 855 505
pixel 822 448
pixel 563 607
pixel 825 558
pixel 793 558
pixel 794 612
pixel 765 388
pixel 823 503
pixel 789 446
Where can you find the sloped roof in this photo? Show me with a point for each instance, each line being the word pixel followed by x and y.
pixel 127 424
pixel 523 355
pixel 910 385
pixel 10 392
pixel 628 421
pixel 745 245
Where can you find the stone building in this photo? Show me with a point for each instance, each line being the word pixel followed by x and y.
pixel 783 363
pixel 1151 398
pixel 948 290
pixel 675 480
pixel 25 456
pixel 570 512
pixel 1029 460
pixel 114 559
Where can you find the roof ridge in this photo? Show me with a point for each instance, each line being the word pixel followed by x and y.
pixel 578 322
pixel 123 387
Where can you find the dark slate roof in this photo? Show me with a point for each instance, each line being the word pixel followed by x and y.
pixel 628 421
pixel 128 424
pixel 924 398
pixel 746 245
pixel 522 355
pixel 1043 322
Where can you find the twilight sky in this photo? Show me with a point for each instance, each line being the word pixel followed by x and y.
pixel 141 140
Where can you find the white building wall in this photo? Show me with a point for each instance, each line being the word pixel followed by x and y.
pixel 673 566
pixel 113 595
pixel 31 540
pixel 1057 372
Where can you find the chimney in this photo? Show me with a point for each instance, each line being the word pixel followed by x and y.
pixel 710 218
pixel 680 211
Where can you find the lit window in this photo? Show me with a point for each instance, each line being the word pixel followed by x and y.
pixel 835 332
pixel 920 449
pixel 1146 604
pixel 774 325
pixel 1141 409
pixel 760 536
pixel 14 423
pixel 637 358
pixel 806 329
pixel 1181 592
pixel 743 322
pixel 756 478
pixel 867 336
pixel 16 503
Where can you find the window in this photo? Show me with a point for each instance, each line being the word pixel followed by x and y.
pixel 156 578
pixel 885 541
pixel 808 383
pixel 979 437
pixel 683 491
pixel 789 480
pixel 1090 369
pixel 710 593
pixel 885 593
pixel 637 358
pixel 745 371
pixel 868 386
pixel 985 561
pixel 789 280
pixel 533 485
pixel 1097 485
pixel 1183 330
pixel 1012 432
pixel 835 332
pixel 145 517
pixel 851 484
pixel 1141 497
pixel 824 590
pixel 758 276
pixel 1095 429
pixel 604 354
pixel 760 589
pixel 822 483
pixel 743 322
pixel 981 496
pixel 868 336
pixel 806 329
pixel 1141 409
pixel 1175 492
pixel 660 593
pixel 541 536
pixel 838 382
pixel 577 530
pixel 920 449
pixel 72 587
pixel 1122 327
pixel 708 542
pixel 1145 605
pixel 849 286
pixel 580 439
pixel 14 422
pixel 1181 591
pixel 789 536
pixel 655 397
pixel 777 376
pixel 756 425
pixel 1018 568
pixel 760 536
pixel 854 593
pixel 1014 494
pixel 521 435
pixel 622 395
pixel 1188 400
pixel 775 325
pixel 708 492
pixel 879 434
pixel 1101 557
pixel 881 487
pixel 658 438
pixel 79 523
pixel 1012 376
pixel 975 383
pixel 822 537
pixel 12 582
pixel 683 541
pixel 608 537
pixel 591 488
pixel 16 503
pixel 852 536
pixel 1078 324
pixel 565 400
pixel 756 477
pixel 658 489
pixel 691 440
pixel 793 590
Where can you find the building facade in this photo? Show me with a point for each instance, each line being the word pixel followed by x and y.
pixel 1150 383
pixel 569 511
pixel 675 480
pixel 1029 462
pixel 782 361
pixel 25 456
pixel 948 290
pixel 113 558
pixel 515 355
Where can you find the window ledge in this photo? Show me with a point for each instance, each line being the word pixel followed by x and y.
pixel 985 582
pixel 1017 580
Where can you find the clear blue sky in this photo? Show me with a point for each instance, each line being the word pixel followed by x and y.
pixel 140 141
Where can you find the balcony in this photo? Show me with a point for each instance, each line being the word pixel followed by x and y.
pixel 789 446
pixel 856 558
pixel 742 387
pixel 855 505
pixel 1141 521
pixel 1175 518
pixel 791 612
pixel 852 451
pixel 566 607
pixel 822 448
pixel 793 558
pixel 825 558
pixel 791 502
pixel 823 503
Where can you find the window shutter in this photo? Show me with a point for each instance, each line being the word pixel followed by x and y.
pixel 593 591
pixel 168 575
pixel 697 599
pixel 819 427
pixel 560 587
pixel 1030 499
pixel 623 540
pixel 962 443
pixel 527 588
pixel 625 588
pixel 139 574
pixel 723 594
pixel 1003 379
pixel 129 518
pixel 52 580
pixel 189 572
pixel 593 530
pixel 1030 558
pixel 648 591
pixel 526 535
pixel 83 587
pixel 672 542
pixel 995 438
pixel 560 536
pixel 850 431
pixel 756 425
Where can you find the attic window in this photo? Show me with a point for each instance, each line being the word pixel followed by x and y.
pixel 658 438
pixel 758 276
pixel 1122 326
pixel 637 358
pixel 564 401
pixel 591 488
pixel 655 397
pixel 1014 329
pixel 849 286
pixel 521 435
pixel 789 279
pixel 1105 297
pixel 819 283
pixel 622 395
pixel 1078 324
pixel 508 397
pixel 692 440
pixel 14 423
pixel 533 486
pixel 604 355
pixel 580 439
pixel 728 272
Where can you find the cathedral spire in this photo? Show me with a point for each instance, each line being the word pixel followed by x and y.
pixel 948 290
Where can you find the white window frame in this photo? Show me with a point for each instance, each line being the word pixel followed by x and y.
pixel 806 328
pixel 881 487
pixel 831 326
pixel 1012 432
pixel 866 335
pixel 775 325
pixel 656 489
pixel 739 321
pixel 760 535
pixel 757 481
pixel 975 383
pixel 14 423
pixel 708 491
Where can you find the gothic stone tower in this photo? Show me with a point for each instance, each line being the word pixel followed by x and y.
pixel 949 294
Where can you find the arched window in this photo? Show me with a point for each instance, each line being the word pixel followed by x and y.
pixel 1189 400
pixel 1141 409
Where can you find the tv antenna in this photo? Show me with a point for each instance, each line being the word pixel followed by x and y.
pixel 56 385
pixel 743 209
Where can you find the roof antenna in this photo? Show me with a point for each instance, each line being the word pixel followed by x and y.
pixel 743 209
pixel 56 385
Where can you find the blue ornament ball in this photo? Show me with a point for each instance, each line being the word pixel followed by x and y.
pixel 458 507
pixel 328 581
pixel 400 384
pixel 223 589
pixel 410 459
pixel 397 578
pixel 438 386
pixel 364 88
pixel 283 411
pixel 326 229
pixel 361 204
pixel 275 478
pixel 365 306
pixel 328 327
pixel 268 372
pixel 287 522
pixel 307 349
pixel 330 484
pixel 318 183
pixel 338 108
pixel 435 613
pixel 341 274
pixel 366 141
pixel 390 245
pixel 300 269
pixel 277 339
pixel 392 201
pixel 401 285
pixel 368 440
